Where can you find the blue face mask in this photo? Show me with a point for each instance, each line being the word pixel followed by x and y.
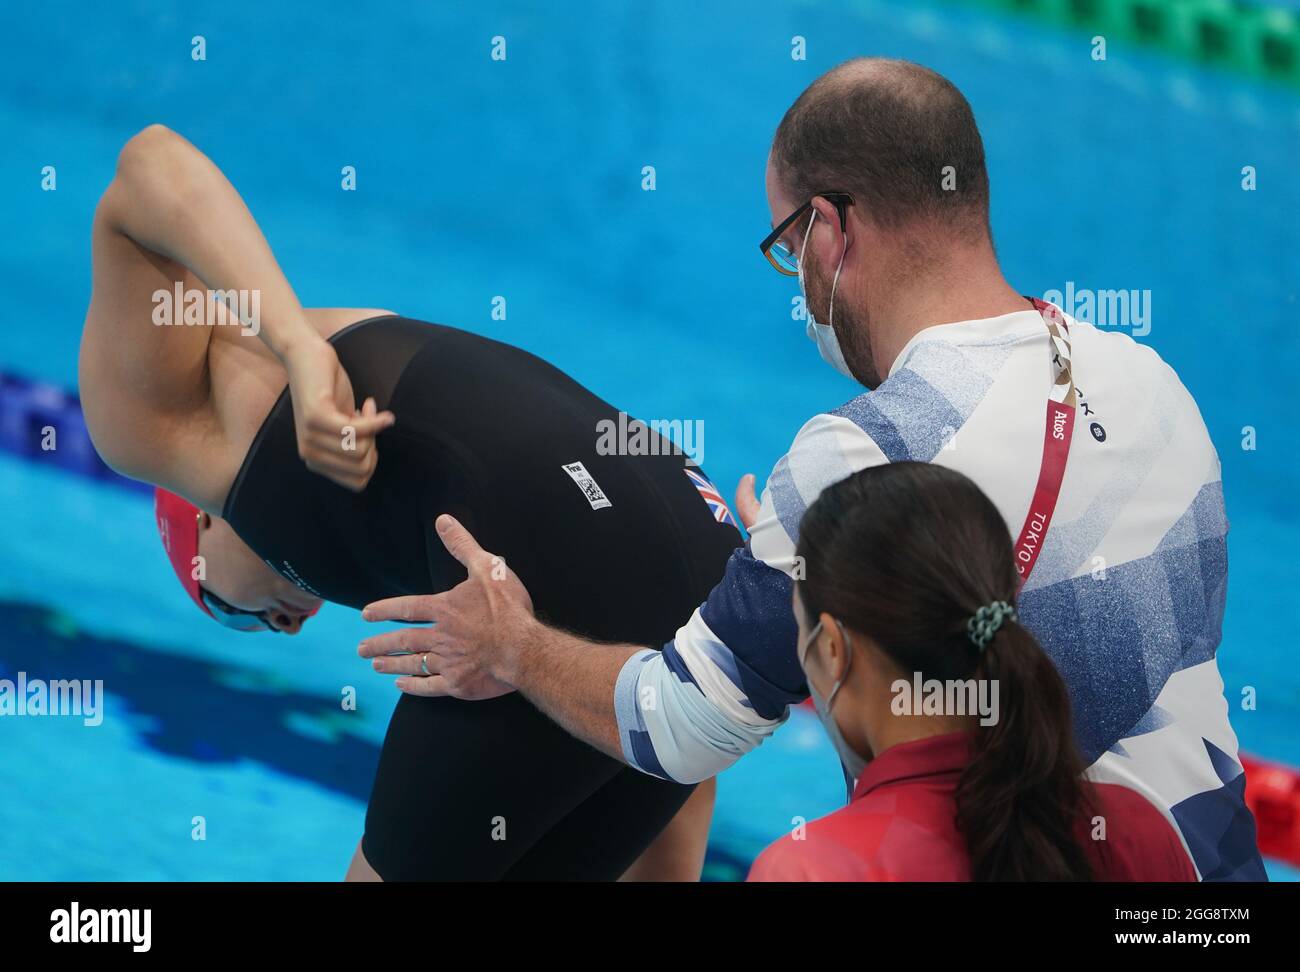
pixel 852 761
pixel 823 335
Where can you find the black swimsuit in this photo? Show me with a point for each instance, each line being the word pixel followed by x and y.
pixel 613 547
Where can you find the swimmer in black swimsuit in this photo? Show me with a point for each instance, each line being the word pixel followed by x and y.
pixel 340 500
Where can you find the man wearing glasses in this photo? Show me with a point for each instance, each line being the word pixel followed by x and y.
pixel 879 196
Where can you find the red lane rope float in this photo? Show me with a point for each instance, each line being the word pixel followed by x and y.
pixel 1273 796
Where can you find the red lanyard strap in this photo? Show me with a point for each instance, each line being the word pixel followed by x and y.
pixel 1056 442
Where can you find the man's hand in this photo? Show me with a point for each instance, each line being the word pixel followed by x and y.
pixel 478 625
pixel 335 439
pixel 747 504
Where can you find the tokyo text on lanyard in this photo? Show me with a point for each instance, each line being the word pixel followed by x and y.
pixel 1056 441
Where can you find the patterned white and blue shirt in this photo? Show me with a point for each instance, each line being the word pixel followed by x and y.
pixel 1127 596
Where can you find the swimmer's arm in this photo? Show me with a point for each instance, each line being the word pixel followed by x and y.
pixel 175 202
pixel 144 390
pixel 170 218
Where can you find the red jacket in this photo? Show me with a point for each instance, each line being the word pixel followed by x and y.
pixel 900 825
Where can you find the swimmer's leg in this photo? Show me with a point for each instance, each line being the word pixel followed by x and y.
pixel 677 854
pixel 465 790
pixel 360 870
pixel 600 839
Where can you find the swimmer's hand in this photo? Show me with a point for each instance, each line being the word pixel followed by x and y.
pixel 747 505
pixel 476 625
pixel 335 439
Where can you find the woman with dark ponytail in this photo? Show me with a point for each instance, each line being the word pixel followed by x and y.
pixel 945 711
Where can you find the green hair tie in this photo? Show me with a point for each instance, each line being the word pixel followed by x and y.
pixel 984 625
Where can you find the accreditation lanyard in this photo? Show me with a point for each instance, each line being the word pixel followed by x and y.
pixel 1056 441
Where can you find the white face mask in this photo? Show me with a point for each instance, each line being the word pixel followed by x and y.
pixel 852 761
pixel 828 345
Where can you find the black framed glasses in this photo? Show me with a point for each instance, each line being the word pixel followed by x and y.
pixel 229 616
pixel 781 256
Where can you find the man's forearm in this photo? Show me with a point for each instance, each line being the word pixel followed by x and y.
pixel 571 680
pixel 176 202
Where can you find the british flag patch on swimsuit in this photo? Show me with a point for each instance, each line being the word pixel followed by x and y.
pixel 717 505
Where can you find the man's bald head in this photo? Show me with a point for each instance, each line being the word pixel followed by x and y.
pixel 885 131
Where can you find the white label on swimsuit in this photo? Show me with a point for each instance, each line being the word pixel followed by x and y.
pixel 286 570
pixel 590 488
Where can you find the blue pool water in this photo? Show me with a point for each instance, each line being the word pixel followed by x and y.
pixel 522 179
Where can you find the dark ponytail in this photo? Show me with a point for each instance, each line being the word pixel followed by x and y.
pixel 1020 800
pixel 906 553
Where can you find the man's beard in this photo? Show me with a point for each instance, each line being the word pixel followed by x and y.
pixel 850 326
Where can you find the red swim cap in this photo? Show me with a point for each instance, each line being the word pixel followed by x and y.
pixel 178 525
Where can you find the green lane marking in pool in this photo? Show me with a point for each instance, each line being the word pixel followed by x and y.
pixel 1251 38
